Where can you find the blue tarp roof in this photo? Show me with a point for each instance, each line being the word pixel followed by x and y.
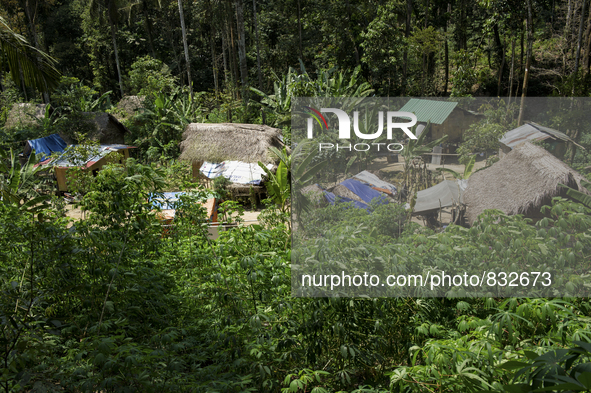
pixel 331 198
pixel 45 146
pixel 171 199
pixel 363 191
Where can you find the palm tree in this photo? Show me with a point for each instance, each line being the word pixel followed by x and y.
pixel 37 67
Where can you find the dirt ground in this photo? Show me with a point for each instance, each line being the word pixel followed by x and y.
pixel 74 213
pixel 250 216
pixel 390 168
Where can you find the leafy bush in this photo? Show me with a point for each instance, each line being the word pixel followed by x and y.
pixel 484 136
pixel 72 95
pixel 149 76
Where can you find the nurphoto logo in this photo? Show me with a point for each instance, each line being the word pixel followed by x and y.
pixel 392 123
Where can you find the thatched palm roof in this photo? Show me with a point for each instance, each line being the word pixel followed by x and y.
pixel 128 107
pixel 520 183
pixel 230 142
pixel 314 192
pixel 107 129
pixel 24 114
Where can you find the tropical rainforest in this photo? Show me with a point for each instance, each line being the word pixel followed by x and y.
pixel 112 303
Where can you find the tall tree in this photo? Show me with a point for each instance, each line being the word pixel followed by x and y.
pixel 530 39
pixel 579 44
pixel 98 8
pixel 186 46
pixel 406 35
pixel 242 48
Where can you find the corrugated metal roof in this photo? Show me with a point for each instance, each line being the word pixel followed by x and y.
pixel 554 133
pixel 428 110
pixel 67 159
pixel 531 132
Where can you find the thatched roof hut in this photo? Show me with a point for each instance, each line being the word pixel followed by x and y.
pixel 128 107
pixel 103 127
pixel 25 114
pixel 107 129
pixel 520 183
pixel 230 142
pixel 315 193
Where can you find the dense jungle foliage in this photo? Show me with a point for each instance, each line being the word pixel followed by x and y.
pixel 234 61
pixel 112 304
pixel 109 303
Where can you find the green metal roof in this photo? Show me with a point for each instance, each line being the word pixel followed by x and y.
pixel 427 110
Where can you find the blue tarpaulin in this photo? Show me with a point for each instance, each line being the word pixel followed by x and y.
pixel 363 191
pixel 331 198
pixel 45 146
pixel 171 199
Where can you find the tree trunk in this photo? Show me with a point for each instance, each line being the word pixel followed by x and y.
pixel 256 30
pixel 259 73
pixel 186 46
pixel 350 34
pixel 567 28
pixel 31 14
pixel 446 49
pixel 31 21
pixel 462 33
pixel 113 37
pixel 405 54
pixel 214 61
pixel 424 65
pixel 500 79
pixel 300 31
pixel 522 50
pixel 527 60
pixel 233 60
pixel 224 57
pixel 587 45
pixel 579 44
pixel 242 49
pixel 148 27
pixel 512 69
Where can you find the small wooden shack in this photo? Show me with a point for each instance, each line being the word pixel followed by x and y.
pixel 103 155
pixel 520 183
pixel 446 117
pixel 531 131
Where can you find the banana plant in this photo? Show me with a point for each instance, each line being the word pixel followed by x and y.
pixel 468 169
pixel 279 103
pixel 292 171
pixel 578 195
pixel 416 148
pixel 278 185
pixel 17 183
